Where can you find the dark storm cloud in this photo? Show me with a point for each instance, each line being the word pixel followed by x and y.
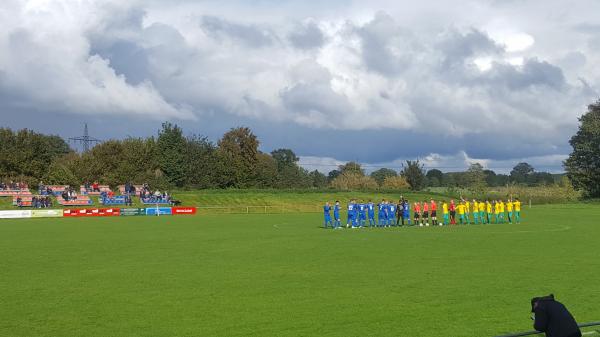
pixel 533 73
pixel 386 47
pixel 249 34
pixel 457 47
pixel 307 36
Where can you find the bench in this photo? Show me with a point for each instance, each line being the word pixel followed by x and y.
pixel 102 188
pixel 26 200
pixel 13 193
pixel 82 200
pixel 154 201
pixel 57 189
pixel 117 200
pixel 138 188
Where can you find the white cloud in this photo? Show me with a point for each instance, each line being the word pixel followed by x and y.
pixel 484 68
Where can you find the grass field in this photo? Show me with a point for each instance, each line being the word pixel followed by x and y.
pixel 284 275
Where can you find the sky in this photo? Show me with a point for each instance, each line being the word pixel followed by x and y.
pixel 448 82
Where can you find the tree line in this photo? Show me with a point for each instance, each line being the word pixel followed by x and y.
pixel 172 160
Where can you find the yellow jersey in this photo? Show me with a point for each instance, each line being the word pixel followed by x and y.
pixel 482 206
pixel 501 207
pixel 475 207
pixel 497 208
pixel 488 207
pixel 461 209
pixel 467 207
pixel 509 206
pixel 517 206
pixel 445 208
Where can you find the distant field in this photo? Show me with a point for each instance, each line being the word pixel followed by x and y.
pixel 284 275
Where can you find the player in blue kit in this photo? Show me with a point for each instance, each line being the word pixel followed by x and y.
pixel 336 215
pixel 406 212
pixel 391 214
pixel 371 212
pixel 352 212
pixel 327 214
pixel 381 214
pixel 362 215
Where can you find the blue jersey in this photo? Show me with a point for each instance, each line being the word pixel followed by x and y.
pixel 406 208
pixel 362 208
pixel 381 208
pixel 326 209
pixel 336 211
pixel 392 210
pixel 371 209
pixel 351 209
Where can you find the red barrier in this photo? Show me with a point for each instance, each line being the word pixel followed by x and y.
pixel 184 210
pixel 91 212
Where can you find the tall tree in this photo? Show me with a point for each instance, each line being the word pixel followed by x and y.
pixel 202 165
pixel 583 164
pixel 319 180
pixel 352 167
pixel 414 173
pixel 238 149
pixel 171 149
pixel 434 177
pixel 332 175
pixel 475 178
pixel 521 173
pixel 381 174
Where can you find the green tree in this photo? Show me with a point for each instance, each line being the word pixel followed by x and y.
pixel 352 167
pixel 414 174
pixel 170 154
pixel 202 163
pixel 434 177
pixel 266 171
pixel 475 179
pixel 27 155
pixel 583 164
pixel 381 174
pixel 521 173
pixel 332 175
pixel 319 180
pixel 238 153
pixel 289 174
pixel 285 157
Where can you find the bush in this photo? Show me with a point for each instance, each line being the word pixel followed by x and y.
pixel 353 181
pixel 395 183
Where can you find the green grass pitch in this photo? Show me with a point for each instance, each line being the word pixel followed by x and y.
pixel 284 275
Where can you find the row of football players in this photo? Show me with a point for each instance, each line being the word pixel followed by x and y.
pixel 390 214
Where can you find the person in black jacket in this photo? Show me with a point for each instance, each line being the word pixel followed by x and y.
pixel 553 318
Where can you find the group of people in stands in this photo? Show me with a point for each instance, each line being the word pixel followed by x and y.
pixel 36 202
pixel 91 187
pixel 13 186
pixel 43 189
pixel 69 194
pixel 108 198
pixel 147 196
pixel 44 200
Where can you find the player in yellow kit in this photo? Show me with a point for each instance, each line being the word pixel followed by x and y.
pixel 501 211
pixel 460 208
pixel 445 212
pixel 497 211
pixel 517 207
pixel 475 212
pixel 509 210
pixel 482 211
pixel 488 211
pixel 467 211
